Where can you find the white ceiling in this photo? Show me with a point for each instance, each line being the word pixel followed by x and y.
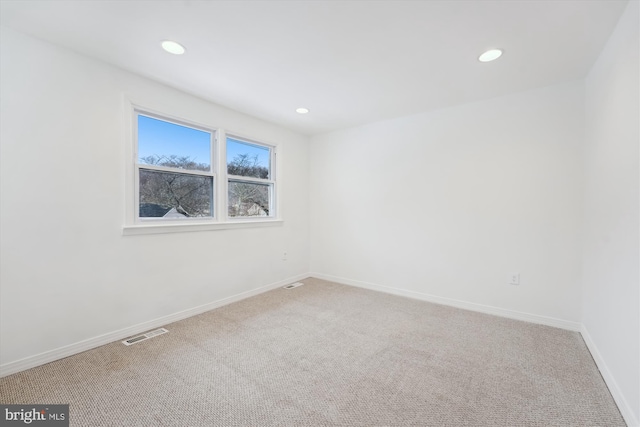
pixel 349 62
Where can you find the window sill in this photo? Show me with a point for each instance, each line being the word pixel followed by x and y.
pixel 138 229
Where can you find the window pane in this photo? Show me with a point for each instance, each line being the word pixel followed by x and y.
pixel 244 159
pixel 248 199
pixel 175 195
pixel 168 144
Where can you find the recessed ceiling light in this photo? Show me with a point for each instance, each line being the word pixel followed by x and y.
pixel 490 55
pixel 302 110
pixel 173 47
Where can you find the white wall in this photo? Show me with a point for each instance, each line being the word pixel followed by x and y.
pixel 448 203
pixel 611 295
pixel 67 272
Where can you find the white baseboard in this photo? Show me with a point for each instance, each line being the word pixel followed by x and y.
pixel 623 405
pixel 88 344
pixel 497 311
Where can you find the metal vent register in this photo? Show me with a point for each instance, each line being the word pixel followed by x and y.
pixel 144 336
pixel 293 285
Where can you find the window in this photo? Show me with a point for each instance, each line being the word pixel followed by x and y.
pixel 187 176
pixel 175 170
pixel 250 178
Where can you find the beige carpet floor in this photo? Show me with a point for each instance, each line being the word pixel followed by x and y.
pixel 325 354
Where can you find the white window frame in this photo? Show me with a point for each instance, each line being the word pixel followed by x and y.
pixel 138 166
pixel 273 205
pixel 134 225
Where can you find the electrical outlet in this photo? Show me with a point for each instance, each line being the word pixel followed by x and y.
pixel 284 256
pixel 513 279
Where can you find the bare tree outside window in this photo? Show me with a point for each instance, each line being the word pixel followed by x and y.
pixel 174 161
pixel 248 199
pixel 169 194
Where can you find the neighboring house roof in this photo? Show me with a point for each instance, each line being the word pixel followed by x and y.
pixel 173 213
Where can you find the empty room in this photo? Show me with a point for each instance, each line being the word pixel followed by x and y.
pixel 320 213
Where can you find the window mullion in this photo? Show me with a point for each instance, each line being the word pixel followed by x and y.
pixel 222 184
pixel 173 170
pixel 249 179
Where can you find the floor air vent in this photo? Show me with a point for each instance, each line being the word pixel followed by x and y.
pixel 293 285
pixel 144 336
